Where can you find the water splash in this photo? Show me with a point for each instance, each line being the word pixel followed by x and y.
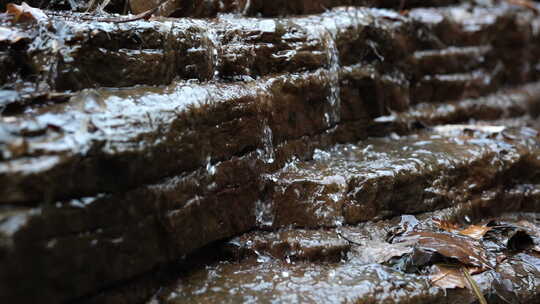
pixel 264 214
pixel 267 153
pixel 334 99
pixel 210 168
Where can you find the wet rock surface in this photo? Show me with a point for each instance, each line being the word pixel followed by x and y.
pixel 355 154
pixel 280 80
pixel 204 8
pixel 158 223
pixel 365 270
pixel 481 47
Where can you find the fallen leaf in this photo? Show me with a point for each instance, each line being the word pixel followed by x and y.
pixel 475 232
pixel 463 249
pixel 445 225
pixel 381 252
pixel 447 277
pixel 24 13
pixel 456 276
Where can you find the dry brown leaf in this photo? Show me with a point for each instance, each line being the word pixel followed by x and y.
pixel 475 232
pixel 381 252
pixel 450 276
pixel 446 225
pixel 456 276
pixel 447 277
pixel 24 13
pixel 463 249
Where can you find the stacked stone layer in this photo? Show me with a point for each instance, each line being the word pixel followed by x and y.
pixel 126 146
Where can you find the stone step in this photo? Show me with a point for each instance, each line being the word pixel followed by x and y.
pixel 444 87
pixel 142 228
pixel 82 142
pixel 251 128
pixel 281 7
pixel 512 104
pixel 292 265
pixel 386 177
pixel 201 8
pixel 453 59
pixel 116 6
pixel 107 140
pixel 69 52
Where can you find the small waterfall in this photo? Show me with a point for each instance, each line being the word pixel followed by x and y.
pixel 215 44
pixel 267 153
pixel 264 214
pixel 334 99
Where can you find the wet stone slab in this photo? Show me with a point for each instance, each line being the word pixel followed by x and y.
pixel 238 138
pixel 204 8
pixel 123 131
pixel 346 65
pixel 392 176
pixel 69 52
pixel 156 224
pixel 126 130
pixel 367 272
pixel 272 81
pixel 280 282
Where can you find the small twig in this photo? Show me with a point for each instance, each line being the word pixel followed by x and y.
pixel 150 120
pixel 144 15
pixel 474 286
pixel 347 239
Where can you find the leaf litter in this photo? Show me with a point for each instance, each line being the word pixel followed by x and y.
pixel 452 246
pixel 450 254
pixel 25 13
pixel 476 232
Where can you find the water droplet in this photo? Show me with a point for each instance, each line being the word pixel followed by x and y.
pixel 210 168
pixel 264 214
